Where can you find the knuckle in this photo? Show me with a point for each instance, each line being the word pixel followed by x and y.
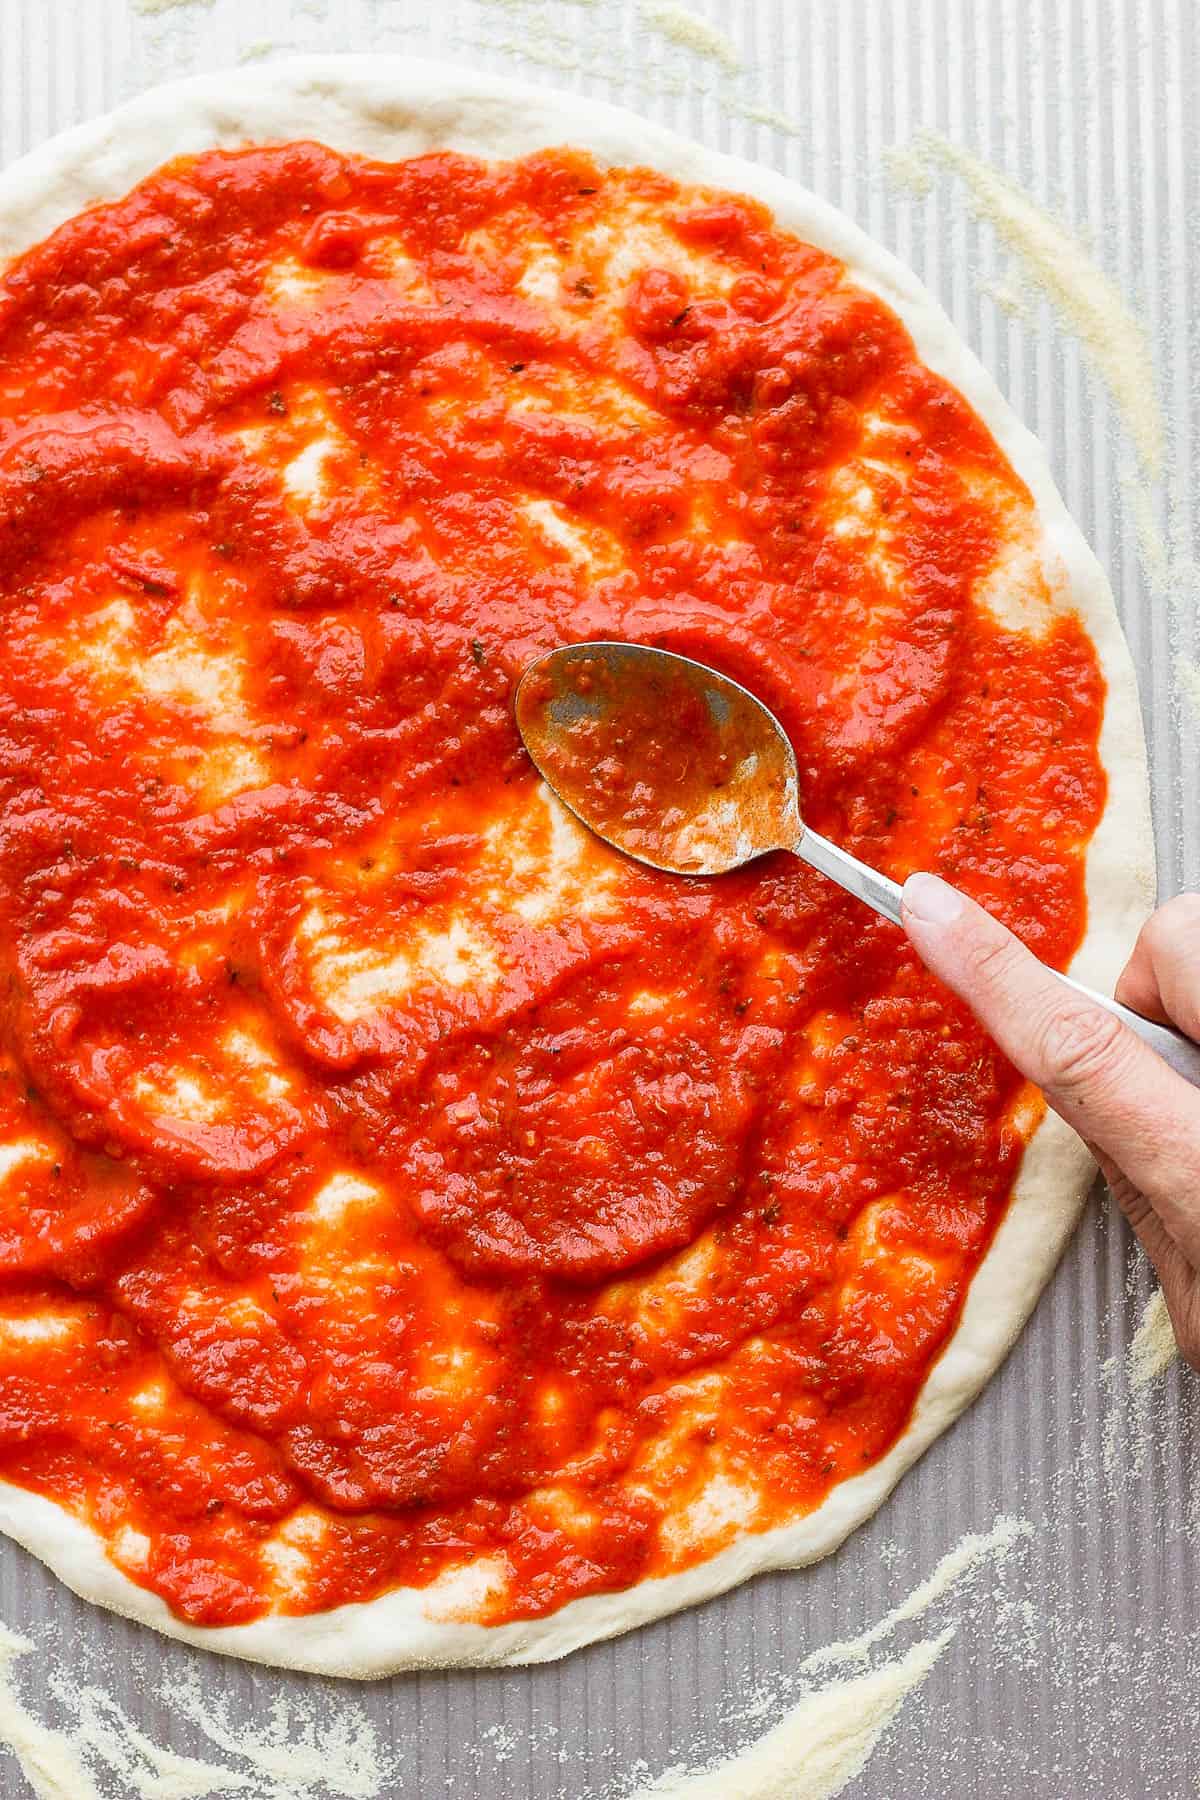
pixel 996 960
pixel 1185 1323
pixel 1130 1198
pixel 1170 944
pixel 1080 1046
pixel 1174 919
pixel 1181 1292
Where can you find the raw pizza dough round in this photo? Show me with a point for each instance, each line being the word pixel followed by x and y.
pixel 394 108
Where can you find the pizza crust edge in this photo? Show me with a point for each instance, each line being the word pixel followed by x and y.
pixel 394 107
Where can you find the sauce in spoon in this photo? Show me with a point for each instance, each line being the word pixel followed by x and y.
pixel 670 761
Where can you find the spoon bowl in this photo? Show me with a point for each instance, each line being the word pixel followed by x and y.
pixel 664 758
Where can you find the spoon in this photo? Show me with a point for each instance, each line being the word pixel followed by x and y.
pixel 685 771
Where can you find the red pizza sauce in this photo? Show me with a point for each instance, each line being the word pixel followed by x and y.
pixel 392 1179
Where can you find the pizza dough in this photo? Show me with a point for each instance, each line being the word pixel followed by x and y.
pixel 395 109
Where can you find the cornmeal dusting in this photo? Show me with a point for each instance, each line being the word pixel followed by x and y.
pixel 1153 1349
pixel 820 1745
pixel 162 6
pixel 299 1750
pixel 47 1759
pixel 1187 680
pixel 1087 300
pixel 691 32
pixel 826 1737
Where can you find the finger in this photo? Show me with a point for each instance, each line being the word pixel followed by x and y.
pixel 1175 1274
pixel 1103 1079
pixel 1147 1227
pixel 1162 977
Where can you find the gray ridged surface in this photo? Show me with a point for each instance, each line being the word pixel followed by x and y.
pixel 1092 106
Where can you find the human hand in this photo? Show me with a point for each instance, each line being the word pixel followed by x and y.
pixel 1138 1117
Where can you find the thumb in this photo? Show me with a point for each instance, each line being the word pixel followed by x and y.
pixel 1104 1081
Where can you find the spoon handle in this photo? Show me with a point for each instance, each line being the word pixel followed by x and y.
pixel 884 896
pixel 857 879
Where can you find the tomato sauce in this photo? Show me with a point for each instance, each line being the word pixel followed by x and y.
pixel 358 1220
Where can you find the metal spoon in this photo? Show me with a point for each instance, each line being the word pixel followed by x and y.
pixel 684 770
